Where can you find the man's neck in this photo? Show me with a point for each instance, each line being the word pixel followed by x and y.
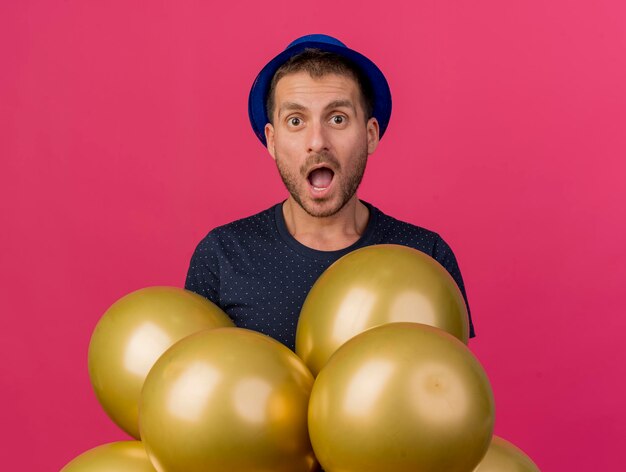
pixel 330 233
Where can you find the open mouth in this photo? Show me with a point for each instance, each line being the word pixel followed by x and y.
pixel 320 178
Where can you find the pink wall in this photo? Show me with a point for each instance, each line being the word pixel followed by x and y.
pixel 124 138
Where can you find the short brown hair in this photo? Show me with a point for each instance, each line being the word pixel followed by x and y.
pixel 318 63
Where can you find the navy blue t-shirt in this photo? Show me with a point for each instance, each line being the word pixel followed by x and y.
pixel 260 275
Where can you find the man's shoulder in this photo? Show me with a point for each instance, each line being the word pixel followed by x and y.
pixel 396 231
pixel 258 221
pixel 259 225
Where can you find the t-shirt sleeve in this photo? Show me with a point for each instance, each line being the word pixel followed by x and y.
pixel 203 274
pixel 444 255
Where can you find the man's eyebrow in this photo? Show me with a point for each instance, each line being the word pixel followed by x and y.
pixel 340 104
pixel 290 106
pixel 293 106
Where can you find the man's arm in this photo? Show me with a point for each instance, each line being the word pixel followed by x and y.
pixel 203 273
pixel 444 255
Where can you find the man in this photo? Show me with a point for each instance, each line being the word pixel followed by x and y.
pixel 320 108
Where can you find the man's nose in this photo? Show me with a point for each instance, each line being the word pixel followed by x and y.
pixel 317 138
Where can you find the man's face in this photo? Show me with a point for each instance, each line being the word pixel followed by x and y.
pixel 320 140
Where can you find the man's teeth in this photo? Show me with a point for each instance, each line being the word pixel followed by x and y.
pixel 319 188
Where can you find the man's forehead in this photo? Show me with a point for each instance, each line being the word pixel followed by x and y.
pixel 301 89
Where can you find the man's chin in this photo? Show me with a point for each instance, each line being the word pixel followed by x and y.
pixel 321 208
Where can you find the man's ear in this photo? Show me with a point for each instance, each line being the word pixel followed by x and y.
pixel 372 135
pixel 269 139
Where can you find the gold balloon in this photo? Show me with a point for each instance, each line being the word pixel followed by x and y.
pixel 502 456
pixel 123 456
pixel 227 399
pixel 131 336
pixel 401 397
pixel 372 286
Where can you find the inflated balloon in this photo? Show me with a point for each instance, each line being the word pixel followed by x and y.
pixel 401 397
pixel 123 456
pixel 131 336
pixel 502 456
pixel 373 286
pixel 227 399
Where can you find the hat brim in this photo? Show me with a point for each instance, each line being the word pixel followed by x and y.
pixel 260 88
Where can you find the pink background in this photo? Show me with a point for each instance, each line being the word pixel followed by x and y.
pixel 124 138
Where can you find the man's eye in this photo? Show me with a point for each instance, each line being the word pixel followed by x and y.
pixel 294 121
pixel 338 119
